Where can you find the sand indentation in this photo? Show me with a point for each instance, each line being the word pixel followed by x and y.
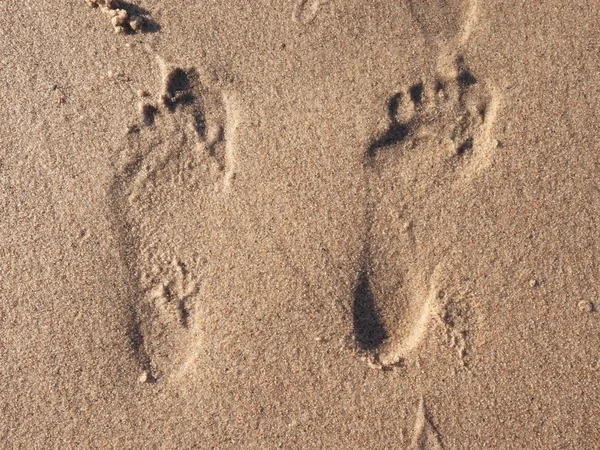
pixel 179 161
pixel 445 26
pixel 425 435
pixel 436 138
pixel 446 122
pixel 305 11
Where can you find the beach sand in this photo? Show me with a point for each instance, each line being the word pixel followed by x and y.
pixel 299 224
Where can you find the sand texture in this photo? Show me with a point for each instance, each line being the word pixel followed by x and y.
pixel 337 224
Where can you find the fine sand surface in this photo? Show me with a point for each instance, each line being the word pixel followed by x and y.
pixel 339 224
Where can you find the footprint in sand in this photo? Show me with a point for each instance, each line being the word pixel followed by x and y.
pixel 437 139
pixel 446 26
pixel 425 436
pixel 305 11
pixel 179 161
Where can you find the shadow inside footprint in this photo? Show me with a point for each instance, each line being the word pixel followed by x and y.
pixel 396 132
pixel 465 77
pixel 180 85
pixel 369 330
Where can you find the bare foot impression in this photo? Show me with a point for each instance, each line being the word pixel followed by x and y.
pixel 437 139
pixel 305 11
pixel 179 160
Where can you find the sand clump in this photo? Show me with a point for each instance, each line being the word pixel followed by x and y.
pixel 585 306
pixel 120 19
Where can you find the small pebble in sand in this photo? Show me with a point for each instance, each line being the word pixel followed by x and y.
pixel 54 86
pixel 585 306
pixel 143 378
pixel 533 283
pixel 121 17
pixel 136 23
